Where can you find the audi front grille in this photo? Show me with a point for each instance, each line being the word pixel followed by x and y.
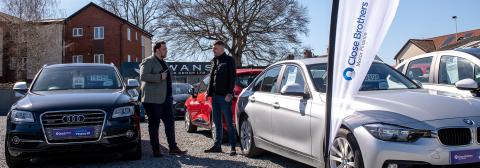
pixel 93 119
pixel 455 136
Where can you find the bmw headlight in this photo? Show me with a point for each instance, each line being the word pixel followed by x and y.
pixel 388 132
pixel 123 112
pixel 22 116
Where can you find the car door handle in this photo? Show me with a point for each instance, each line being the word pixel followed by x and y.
pixel 276 105
pixel 251 98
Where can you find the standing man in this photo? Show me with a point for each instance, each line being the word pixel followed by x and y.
pixel 157 98
pixel 220 88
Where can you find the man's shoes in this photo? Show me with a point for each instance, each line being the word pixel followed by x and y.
pixel 177 151
pixel 233 152
pixel 214 149
pixel 157 153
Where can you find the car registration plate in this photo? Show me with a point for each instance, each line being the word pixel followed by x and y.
pixel 465 156
pixel 73 133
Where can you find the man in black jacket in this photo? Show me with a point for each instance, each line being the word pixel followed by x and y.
pixel 220 88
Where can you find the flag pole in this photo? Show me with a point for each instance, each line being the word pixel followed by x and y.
pixel 330 68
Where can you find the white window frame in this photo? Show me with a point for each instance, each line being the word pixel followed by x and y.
pixel 129 58
pixel 101 33
pixel 77 58
pixel 77 32
pixel 136 59
pixel 136 35
pixel 99 58
pixel 128 34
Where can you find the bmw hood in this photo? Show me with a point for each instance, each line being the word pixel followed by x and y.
pixel 413 105
pixel 70 100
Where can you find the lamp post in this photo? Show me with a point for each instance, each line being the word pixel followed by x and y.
pixel 456 28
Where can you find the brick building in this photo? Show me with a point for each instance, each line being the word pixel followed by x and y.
pixel 95 35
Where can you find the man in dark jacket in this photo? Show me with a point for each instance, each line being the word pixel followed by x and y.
pixel 220 88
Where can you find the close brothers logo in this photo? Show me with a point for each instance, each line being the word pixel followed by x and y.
pixel 355 57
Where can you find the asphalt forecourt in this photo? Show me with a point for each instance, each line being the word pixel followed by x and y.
pixel 195 144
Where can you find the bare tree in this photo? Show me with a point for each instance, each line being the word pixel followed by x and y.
pixel 25 37
pixel 142 13
pixel 256 31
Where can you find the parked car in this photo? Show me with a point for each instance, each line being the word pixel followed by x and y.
pixel 199 107
pixel 180 93
pixel 455 71
pixel 396 123
pixel 73 108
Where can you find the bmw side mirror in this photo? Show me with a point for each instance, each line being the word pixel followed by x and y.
pixel 294 90
pixel 20 89
pixel 418 83
pixel 467 84
pixel 132 84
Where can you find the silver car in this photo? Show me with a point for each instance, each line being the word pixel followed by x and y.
pixel 396 123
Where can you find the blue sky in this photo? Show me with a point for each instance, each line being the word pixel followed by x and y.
pixel 414 19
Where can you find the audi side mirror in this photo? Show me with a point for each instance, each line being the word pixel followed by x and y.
pixel 132 84
pixel 20 89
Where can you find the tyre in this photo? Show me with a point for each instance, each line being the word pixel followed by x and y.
pixel 188 124
pixel 214 134
pixel 15 162
pixel 135 153
pixel 345 151
pixel 247 141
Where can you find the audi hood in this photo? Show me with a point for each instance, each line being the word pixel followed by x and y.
pixel 72 99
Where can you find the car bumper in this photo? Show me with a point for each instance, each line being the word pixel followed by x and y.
pixel 424 152
pixel 32 142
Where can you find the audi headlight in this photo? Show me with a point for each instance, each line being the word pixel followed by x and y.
pixel 388 132
pixel 22 116
pixel 123 112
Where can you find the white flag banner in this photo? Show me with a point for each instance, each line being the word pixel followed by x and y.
pixel 361 28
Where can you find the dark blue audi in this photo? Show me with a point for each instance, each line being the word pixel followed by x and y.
pixel 73 108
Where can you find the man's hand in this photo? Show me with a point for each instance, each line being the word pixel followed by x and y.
pixel 228 98
pixel 164 76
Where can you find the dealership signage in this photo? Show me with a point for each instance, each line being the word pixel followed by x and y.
pixel 132 69
pixel 358 29
pixel 190 68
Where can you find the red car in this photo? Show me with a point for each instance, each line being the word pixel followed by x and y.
pixel 199 107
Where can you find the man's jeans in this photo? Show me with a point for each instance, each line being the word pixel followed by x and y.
pixel 155 113
pixel 219 107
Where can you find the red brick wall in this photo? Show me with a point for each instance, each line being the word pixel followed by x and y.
pixel 114 46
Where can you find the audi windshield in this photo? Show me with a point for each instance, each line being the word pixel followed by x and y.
pixel 72 78
pixel 379 77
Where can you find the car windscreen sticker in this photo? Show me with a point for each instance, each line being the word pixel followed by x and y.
pixel 372 77
pixel 108 82
pixel 99 78
pixel 452 69
pixel 292 76
pixel 78 82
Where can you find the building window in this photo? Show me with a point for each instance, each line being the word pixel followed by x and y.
pixel 129 59
pixel 77 32
pixel 13 63
pixel 128 34
pixel 98 33
pixel 98 58
pixel 136 35
pixel 136 59
pixel 77 59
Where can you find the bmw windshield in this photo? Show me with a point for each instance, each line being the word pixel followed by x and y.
pixel 72 78
pixel 379 77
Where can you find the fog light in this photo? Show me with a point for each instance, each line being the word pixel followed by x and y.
pixel 130 134
pixel 392 165
pixel 15 140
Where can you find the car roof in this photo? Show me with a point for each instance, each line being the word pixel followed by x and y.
pixel 249 71
pixel 79 65
pixel 310 61
pixel 472 51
